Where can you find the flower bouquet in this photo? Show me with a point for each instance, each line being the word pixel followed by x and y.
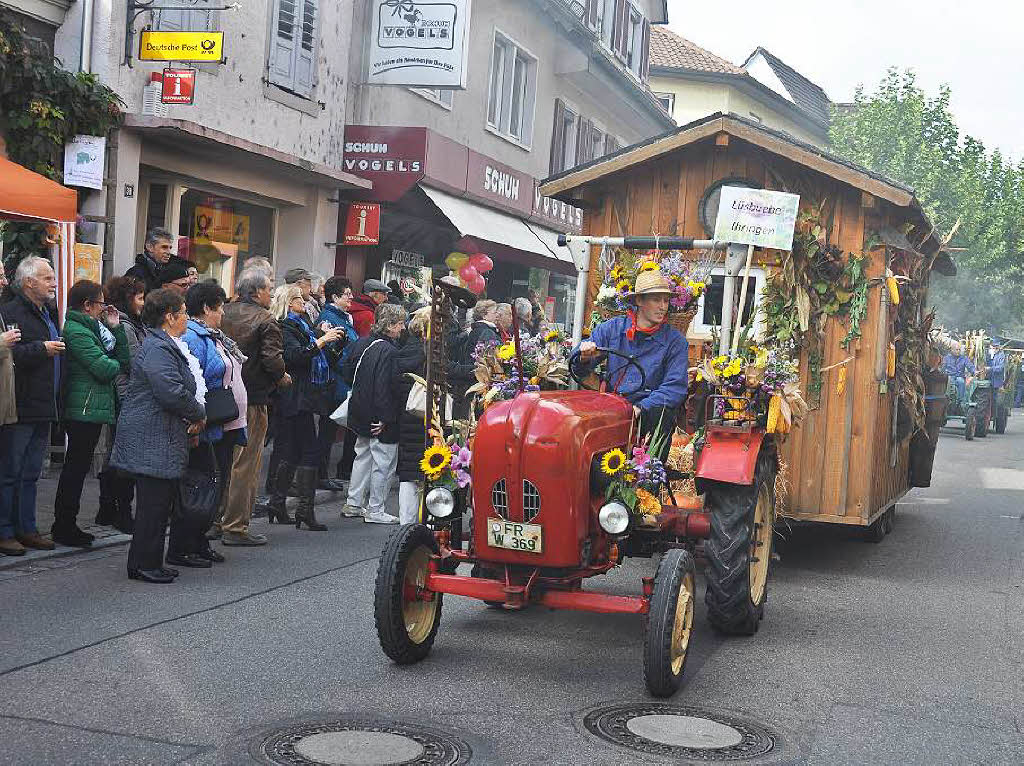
pixel 756 384
pixel 636 480
pixel 545 366
pixel 689 279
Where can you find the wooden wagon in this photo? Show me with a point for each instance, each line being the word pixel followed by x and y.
pixel 850 459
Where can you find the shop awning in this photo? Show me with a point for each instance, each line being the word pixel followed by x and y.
pixel 496 233
pixel 28 196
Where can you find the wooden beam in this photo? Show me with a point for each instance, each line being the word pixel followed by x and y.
pixel 866 200
pixel 722 139
pixel 815 161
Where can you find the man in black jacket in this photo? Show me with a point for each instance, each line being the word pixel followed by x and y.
pixel 36 387
pixel 148 265
pixel 373 416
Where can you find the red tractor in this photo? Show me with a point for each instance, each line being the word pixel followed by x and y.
pixel 541 526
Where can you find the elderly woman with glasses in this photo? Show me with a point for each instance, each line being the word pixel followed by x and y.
pixel 307 357
pixel 164 407
pixel 97 352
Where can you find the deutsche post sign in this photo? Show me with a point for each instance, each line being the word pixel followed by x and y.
pixel 181 46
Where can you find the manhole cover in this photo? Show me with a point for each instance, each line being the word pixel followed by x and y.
pixel 681 732
pixel 363 743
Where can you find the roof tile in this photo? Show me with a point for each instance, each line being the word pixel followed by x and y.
pixel 671 51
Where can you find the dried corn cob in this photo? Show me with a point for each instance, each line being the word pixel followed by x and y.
pixel 774 408
pixel 890 367
pixel 894 290
pixel 841 383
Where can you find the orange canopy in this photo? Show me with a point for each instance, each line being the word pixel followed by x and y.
pixel 26 196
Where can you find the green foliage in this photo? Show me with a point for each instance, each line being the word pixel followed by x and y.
pixel 913 139
pixel 42 105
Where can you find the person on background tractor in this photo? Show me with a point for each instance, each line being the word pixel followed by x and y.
pixel 997 364
pixel 960 370
pixel 660 349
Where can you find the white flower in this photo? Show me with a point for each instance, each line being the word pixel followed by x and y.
pixel 606 292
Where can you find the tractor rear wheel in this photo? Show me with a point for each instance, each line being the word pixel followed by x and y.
pixel 739 550
pixel 407 618
pixel 1002 414
pixel 669 623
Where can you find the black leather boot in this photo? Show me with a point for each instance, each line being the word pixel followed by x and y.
pixel 306 478
pixel 276 510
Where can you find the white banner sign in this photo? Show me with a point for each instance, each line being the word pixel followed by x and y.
pixel 757 217
pixel 83 161
pixel 419 43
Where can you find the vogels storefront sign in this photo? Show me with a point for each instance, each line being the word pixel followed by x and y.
pixel 419 43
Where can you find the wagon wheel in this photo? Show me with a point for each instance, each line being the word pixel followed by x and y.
pixel 969 427
pixel 877 530
pixel 407 618
pixel 739 549
pixel 669 623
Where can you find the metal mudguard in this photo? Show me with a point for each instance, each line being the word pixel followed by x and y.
pixel 729 455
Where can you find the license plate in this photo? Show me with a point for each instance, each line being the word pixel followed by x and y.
pixel 514 535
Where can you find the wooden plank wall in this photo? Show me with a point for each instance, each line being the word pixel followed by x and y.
pixel 839 458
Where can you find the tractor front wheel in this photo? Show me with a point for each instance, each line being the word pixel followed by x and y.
pixel 407 616
pixel 669 623
pixel 739 550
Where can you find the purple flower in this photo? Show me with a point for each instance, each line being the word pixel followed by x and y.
pixel 461 478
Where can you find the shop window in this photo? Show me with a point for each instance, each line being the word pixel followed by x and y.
pixel 709 310
pixel 156 206
pixel 513 86
pixel 440 96
pixel 219 233
pixel 294 36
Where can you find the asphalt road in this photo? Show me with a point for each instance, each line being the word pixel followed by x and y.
pixel 910 651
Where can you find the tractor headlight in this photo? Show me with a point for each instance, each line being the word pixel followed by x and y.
pixel 440 502
pixel 614 518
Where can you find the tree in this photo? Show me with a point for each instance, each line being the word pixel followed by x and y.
pixel 902 133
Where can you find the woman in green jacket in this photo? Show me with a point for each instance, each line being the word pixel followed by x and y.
pixel 97 352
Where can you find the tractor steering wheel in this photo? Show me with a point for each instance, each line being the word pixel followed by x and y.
pixel 630 361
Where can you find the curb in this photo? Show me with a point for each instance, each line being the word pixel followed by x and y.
pixel 61 551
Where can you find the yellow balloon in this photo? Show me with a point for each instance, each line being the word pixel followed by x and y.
pixel 455 261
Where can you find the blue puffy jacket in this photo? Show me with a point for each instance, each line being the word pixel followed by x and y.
pixel 341 319
pixel 663 355
pixel 204 348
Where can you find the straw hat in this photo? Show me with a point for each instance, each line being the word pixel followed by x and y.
pixel 651 283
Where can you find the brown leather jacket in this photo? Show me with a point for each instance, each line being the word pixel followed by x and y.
pixel 258 336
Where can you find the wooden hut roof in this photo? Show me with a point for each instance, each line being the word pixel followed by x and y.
pixel 562 185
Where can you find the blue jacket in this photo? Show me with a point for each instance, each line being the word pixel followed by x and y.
pixel 997 369
pixel 664 357
pixel 204 348
pixel 152 430
pixel 957 366
pixel 338 318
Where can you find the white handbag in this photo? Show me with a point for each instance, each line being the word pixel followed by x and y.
pixel 340 415
pixel 416 402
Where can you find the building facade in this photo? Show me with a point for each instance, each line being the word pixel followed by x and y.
pixel 692 83
pixel 254 166
pixel 551 84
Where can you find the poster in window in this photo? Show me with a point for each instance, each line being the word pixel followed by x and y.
pixel 88 262
pixel 418 43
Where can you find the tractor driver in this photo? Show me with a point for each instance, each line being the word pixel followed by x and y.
pixel 960 370
pixel 658 348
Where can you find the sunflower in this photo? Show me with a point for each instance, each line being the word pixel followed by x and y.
pixel 647 504
pixel 551 336
pixel 649 266
pixel 623 286
pixel 612 462
pixel 506 351
pixel 435 460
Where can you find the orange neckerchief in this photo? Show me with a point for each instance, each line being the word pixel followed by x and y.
pixel 633 329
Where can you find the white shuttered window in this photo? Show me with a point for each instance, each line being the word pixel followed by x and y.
pixel 294 37
pixel 512 91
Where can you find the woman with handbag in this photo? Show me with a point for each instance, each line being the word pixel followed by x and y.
pixel 221 363
pixel 164 406
pixel 306 357
pixel 410 358
pixel 97 352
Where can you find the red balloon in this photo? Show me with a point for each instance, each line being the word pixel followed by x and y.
pixel 481 263
pixel 477 285
pixel 467 273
